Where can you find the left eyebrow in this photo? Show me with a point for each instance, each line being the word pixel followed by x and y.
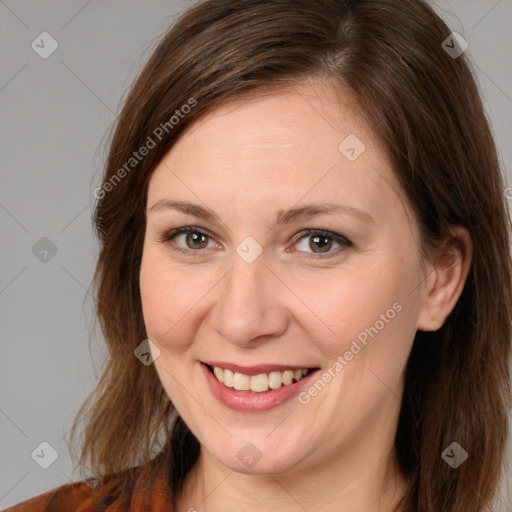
pixel 312 210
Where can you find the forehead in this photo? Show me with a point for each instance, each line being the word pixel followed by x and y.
pixel 275 150
pixel 306 121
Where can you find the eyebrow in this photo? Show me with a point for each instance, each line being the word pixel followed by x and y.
pixel 283 216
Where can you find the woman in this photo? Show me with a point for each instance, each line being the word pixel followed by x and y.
pixel 304 277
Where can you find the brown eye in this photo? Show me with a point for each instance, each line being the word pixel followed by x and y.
pixel 196 240
pixel 186 239
pixel 321 242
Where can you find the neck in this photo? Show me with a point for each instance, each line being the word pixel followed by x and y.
pixel 342 484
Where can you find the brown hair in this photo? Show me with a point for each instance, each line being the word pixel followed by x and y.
pixel 426 110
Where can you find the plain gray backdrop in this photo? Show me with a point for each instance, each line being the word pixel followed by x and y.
pixel 55 113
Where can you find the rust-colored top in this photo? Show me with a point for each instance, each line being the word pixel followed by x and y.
pixel 84 496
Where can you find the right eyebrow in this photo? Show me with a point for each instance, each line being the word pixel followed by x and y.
pixel 184 207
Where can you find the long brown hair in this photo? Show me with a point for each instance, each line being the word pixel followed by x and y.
pixel 425 108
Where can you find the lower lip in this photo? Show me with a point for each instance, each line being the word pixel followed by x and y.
pixel 250 401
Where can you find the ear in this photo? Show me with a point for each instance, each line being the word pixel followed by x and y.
pixel 445 281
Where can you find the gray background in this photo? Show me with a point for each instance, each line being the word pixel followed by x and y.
pixel 55 113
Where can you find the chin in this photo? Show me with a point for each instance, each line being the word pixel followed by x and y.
pixel 258 457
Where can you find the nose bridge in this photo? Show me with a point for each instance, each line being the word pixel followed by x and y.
pixel 245 310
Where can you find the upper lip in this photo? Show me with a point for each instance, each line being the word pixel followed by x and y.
pixel 255 370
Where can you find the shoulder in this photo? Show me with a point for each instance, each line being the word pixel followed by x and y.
pixel 66 498
pixel 121 492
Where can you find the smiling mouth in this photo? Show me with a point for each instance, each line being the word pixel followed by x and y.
pixel 261 382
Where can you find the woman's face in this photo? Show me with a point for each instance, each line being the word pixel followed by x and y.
pixel 249 289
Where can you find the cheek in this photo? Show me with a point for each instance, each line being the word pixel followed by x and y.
pixel 168 297
pixel 372 315
pixel 350 306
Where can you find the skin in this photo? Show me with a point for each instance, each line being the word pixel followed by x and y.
pixel 246 161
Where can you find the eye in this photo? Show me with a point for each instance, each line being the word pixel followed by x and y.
pixel 321 242
pixel 192 239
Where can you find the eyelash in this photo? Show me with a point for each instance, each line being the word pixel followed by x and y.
pixel 173 232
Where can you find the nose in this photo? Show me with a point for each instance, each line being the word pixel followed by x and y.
pixel 249 309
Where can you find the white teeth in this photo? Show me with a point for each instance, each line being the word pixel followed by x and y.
pixel 219 373
pixel 287 377
pixel 258 383
pixel 228 378
pixel 274 380
pixel 241 381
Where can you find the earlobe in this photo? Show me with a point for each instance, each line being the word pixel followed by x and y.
pixel 446 281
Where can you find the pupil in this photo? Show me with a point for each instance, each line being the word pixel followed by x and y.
pixel 323 243
pixel 196 238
